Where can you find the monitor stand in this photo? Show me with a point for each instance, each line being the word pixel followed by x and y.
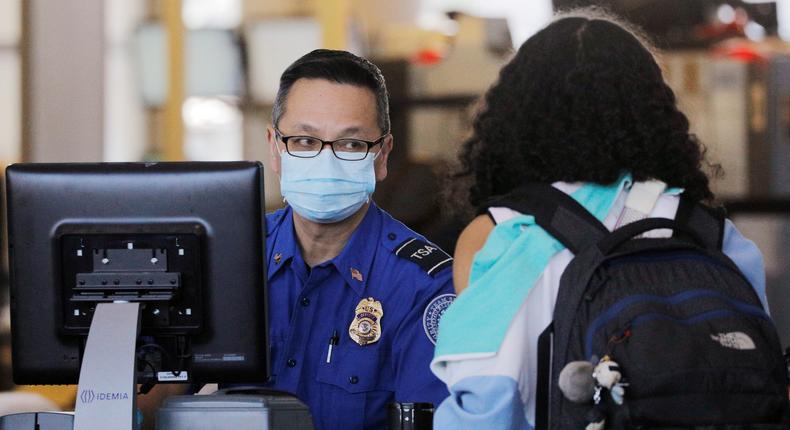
pixel 106 391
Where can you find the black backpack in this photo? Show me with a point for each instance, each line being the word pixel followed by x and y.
pixel 674 316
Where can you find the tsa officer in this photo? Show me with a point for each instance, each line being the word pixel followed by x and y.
pixel 355 297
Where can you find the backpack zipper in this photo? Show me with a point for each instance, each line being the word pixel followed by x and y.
pixel 613 311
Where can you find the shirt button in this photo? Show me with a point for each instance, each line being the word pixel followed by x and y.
pixel 291 362
pixel 353 379
pixel 391 236
pixel 305 301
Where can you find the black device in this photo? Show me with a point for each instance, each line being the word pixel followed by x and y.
pixel 410 416
pixel 185 240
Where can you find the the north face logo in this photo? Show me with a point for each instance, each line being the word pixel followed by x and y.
pixel 734 340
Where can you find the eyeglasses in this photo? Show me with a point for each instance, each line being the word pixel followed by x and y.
pixel 344 149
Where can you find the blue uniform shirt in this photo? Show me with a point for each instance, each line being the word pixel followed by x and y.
pixel 307 305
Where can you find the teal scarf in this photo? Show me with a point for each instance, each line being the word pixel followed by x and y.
pixel 504 271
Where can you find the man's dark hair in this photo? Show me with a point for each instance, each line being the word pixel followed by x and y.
pixel 340 67
pixel 583 100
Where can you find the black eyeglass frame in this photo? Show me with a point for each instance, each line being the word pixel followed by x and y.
pixel 282 137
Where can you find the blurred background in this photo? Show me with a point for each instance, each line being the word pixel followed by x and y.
pixel 132 80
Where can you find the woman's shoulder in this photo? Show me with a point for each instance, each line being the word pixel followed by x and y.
pixel 474 236
pixel 471 240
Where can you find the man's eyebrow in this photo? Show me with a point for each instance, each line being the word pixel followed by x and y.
pixel 306 127
pixel 350 131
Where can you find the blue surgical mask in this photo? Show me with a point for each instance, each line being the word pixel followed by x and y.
pixel 325 189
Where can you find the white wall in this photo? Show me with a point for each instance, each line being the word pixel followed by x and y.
pixel 125 122
pixel 65 79
pixel 10 84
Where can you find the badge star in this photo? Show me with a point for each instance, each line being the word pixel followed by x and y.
pixel 277 258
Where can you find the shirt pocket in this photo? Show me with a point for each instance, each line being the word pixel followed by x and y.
pixel 356 386
pixel 357 369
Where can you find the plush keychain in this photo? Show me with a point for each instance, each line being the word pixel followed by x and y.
pixel 576 381
pixel 596 419
pixel 581 382
pixel 607 375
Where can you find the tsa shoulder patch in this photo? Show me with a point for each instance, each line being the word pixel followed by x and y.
pixel 433 313
pixel 426 255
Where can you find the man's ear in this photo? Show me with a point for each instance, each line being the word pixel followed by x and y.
pixel 274 152
pixel 384 153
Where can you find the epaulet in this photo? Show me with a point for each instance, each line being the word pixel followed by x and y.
pixel 428 256
pixel 273 220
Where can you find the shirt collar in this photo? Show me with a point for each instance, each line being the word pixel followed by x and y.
pixel 354 262
pixel 284 247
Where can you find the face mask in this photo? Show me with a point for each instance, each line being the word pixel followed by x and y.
pixel 325 189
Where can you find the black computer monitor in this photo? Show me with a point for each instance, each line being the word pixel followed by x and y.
pixel 185 240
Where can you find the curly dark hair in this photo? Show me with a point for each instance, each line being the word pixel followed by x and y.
pixel 582 100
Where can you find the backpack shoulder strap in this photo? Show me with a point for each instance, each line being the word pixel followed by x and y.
pixel 556 212
pixel 542 408
pixel 706 222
